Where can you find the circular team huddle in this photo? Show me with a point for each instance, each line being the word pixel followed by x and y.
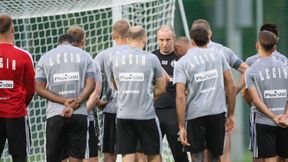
pixel 184 90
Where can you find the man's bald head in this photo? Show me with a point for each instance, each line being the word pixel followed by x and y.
pixel 182 45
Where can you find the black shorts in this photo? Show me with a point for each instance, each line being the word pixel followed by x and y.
pixel 109 134
pixel 92 150
pixel 17 132
pixel 271 141
pixel 147 132
pixel 66 137
pixel 206 132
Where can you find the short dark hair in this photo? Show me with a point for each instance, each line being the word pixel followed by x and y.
pixel 5 23
pixel 270 27
pixel 200 36
pixel 267 40
pixel 66 37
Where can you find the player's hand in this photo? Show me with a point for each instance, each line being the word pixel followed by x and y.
pixel 102 103
pixel 67 112
pixel 183 137
pixel 230 124
pixel 281 121
pixel 72 102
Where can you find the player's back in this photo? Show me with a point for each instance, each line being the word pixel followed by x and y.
pixel 65 70
pixel 14 66
pixel 204 70
pixel 104 59
pixel 270 77
pixel 134 71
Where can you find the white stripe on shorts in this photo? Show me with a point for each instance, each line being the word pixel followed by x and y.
pixel 87 150
pixel 27 133
pixel 160 133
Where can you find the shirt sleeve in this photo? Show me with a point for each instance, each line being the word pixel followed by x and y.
pixel 40 72
pixel 29 80
pixel 233 60
pixel 157 66
pixel 224 64
pixel 179 73
pixel 90 71
pixel 98 75
pixel 249 79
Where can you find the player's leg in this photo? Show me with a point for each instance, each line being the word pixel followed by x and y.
pixel 226 157
pixel 127 139
pixel 140 156
pixel 109 137
pixel 18 135
pixel 172 136
pixel 150 137
pixel 2 135
pixel 282 144
pixel 266 140
pixel 92 144
pixel 196 130
pixel 77 137
pixel 56 139
pixel 215 136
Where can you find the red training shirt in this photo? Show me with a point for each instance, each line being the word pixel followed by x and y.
pixel 16 81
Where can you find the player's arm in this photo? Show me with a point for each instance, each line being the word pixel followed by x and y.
pixel 89 84
pixel 41 90
pixel 231 97
pixel 94 99
pixel 241 83
pixel 29 75
pixel 160 86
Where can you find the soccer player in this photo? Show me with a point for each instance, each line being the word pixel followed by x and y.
pixel 236 63
pixel 266 81
pixel 119 35
pixel 65 76
pixel 201 77
pixel 181 46
pixel 165 105
pixel 79 35
pixel 138 78
pixel 250 61
pixel 16 92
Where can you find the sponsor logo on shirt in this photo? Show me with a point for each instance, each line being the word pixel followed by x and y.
pixel 64 77
pixel 164 62
pixel 6 84
pixel 173 63
pixel 199 77
pixel 277 93
pixel 134 77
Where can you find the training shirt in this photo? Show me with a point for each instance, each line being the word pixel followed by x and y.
pixel 104 59
pixel 167 100
pixel 65 69
pixel 16 81
pixel 201 70
pixel 135 71
pixel 269 76
pixel 252 59
pixel 233 60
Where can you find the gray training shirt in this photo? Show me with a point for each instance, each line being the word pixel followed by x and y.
pixel 135 71
pixel 252 59
pixel 65 69
pixel 104 59
pixel 269 76
pixel 201 70
pixel 233 60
